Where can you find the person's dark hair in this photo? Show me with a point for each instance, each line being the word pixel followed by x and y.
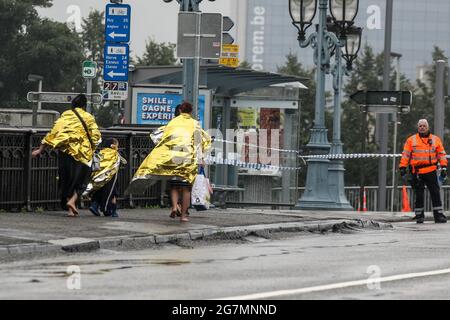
pixel 109 141
pixel 177 110
pixel 186 107
pixel 80 101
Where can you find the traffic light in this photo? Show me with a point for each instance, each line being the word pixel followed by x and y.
pixel 227 25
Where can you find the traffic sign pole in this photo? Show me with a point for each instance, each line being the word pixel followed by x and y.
pixel 89 92
pixel 196 69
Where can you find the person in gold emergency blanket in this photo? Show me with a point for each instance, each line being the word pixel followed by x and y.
pixel 103 185
pixel 176 158
pixel 75 135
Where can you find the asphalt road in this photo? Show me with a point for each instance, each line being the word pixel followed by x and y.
pixel 307 266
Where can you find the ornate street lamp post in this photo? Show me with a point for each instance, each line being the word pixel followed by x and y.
pixel 317 193
pixel 351 42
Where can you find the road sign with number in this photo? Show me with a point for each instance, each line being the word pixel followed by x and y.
pixel 117 23
pixel 89 69
pixel 115 90
pixel 116 62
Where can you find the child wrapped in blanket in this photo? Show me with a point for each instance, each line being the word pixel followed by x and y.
pixel 103 185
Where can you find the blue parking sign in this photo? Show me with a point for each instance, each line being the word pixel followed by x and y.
pixel 116 62
pixel 117 23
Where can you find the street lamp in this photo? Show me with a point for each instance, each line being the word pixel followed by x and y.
pixel 352 46
pixel 34 78
pixel 350 38
pixel 302 13
pixel 344 13
pixel 317 192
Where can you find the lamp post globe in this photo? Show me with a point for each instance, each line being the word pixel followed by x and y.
pixel 344 12
pixel 302 14
pixel 352 46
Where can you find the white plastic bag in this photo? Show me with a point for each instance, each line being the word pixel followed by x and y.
pixel 200 195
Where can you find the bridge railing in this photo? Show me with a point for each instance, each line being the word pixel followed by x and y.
pixel 27 183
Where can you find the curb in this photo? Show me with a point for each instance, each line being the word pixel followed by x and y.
pixel 227 233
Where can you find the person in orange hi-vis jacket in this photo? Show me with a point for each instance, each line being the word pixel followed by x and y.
pixel 423 153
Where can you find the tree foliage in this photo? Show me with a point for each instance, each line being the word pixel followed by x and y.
pixel 294 67
pixel 32 45
pixel 157 54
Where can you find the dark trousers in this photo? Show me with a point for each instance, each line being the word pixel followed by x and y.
pixel 104 196
pixel 430 180
pixel 73 177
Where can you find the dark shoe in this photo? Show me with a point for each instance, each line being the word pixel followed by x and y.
pixel 420 218
pixel 94 209
pixel 439 218
pixel 114 214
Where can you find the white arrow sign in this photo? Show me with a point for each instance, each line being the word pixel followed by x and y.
pixel 120 35
pixel 113 74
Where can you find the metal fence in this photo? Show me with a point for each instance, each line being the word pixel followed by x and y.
pixel 353 196
pixel 27 183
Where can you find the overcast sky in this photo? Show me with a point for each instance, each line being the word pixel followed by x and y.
pixel 153 18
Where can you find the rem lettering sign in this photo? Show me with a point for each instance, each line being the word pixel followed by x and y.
pixel 159 108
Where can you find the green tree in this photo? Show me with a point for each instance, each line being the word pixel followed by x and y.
pixel 93 35
pixel 307 99
pixel 294 67
pixel 367 74
pixel 15 18
pixel 38 46
pixel 157 54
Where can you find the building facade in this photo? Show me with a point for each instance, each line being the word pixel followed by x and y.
pixel 418 26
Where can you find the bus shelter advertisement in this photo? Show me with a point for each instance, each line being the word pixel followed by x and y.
pixel 159 108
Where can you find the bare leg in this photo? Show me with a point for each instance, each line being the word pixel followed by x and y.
pixel 174 196
pixel 71 204
pixel 185 204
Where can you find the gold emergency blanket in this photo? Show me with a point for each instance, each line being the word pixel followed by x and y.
pixel 109 166
pixel 176 155
pixel 68 135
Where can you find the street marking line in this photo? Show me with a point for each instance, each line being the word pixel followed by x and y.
pixel 341 285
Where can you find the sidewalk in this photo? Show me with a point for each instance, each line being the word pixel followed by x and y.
pixel 53 232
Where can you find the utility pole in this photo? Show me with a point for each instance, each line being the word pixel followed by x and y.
pixel 382 123
pixel 439 104
pixel 394 151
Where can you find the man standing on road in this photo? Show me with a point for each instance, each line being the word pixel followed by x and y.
pixel 423 152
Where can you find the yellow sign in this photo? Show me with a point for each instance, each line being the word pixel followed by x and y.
pixel 247 117
pixel 230 55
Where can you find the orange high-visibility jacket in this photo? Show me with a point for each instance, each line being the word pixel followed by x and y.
pixel 423 154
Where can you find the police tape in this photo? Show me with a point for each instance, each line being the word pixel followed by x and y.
pixel 344 156
pixel 324 156
pixel 248 165
pixel 256 146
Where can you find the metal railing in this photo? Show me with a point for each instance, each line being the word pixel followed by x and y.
pixel 27 183
pixel 353 196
